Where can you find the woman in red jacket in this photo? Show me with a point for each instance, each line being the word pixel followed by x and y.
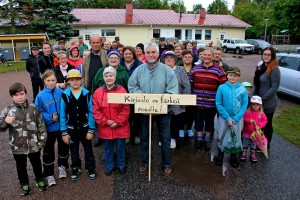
pixel 112 121
pixel 74 57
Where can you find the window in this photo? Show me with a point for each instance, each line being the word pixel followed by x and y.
pixel 108 32
pixel 222 35
pixel 188 34
pixel 87 37
pixel 156 33
pixel 75 33
pixel 207 34
pixel 178 33
pixel 292 63
pixel 198 35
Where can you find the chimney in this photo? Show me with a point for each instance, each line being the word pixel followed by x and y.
pixel 129 13
pixel 202 16
pixel 180 15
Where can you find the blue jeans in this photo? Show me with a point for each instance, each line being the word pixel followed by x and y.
pixel 163 125
pixel 109 153
pixel 248 142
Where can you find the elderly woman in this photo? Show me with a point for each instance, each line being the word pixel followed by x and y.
pixel 266 83
pixel 122 75
pixel 112 121
pixel 62 69
pixel 205 80
pixel 177 112
pixel 130 62
pixel 140 54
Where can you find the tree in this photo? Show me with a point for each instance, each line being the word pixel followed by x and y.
pixel 196 8
pixel 147 4
pixel 178 5
pixel 218 7
pixel 53 17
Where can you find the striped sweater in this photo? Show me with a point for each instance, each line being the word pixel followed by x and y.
pixel 205 82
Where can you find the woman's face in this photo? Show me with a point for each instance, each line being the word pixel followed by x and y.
pixel 62 59
pixel 109 79
pixel 267 56
pixel 207 57
pixel 75 53
pixel 170 61
pixel 50 82
pixel 189 46
pixel 138 50
pixel 46 49
pixel 187 59
pixel 178 52
pixel 113 60
pixel 128 56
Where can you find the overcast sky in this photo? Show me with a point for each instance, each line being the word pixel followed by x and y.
pixel 189 3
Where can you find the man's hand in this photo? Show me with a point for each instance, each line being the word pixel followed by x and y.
pixel 89 136
pixel 66 138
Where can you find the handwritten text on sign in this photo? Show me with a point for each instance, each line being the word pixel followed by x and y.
pixel 167 99
pixel 148 108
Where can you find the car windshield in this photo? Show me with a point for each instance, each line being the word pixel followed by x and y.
pixel 240 42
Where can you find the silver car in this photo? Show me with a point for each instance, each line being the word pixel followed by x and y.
pixel 289 65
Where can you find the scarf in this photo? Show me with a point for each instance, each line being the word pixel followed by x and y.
pixel 259 71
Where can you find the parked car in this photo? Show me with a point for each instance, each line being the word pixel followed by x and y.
pixel 237 45
pixel 289 65
pixel 259 45
pixel 200 44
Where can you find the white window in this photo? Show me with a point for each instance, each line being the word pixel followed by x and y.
pixel 222 35
pixel 178 34
pixel 108 32
pixel 207 34
pixel 188 34
pixel 198 34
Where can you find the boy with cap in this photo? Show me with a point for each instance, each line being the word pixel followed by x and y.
pixel 77 124
pixel 231 103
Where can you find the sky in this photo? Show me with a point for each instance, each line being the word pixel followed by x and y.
pixel 189 3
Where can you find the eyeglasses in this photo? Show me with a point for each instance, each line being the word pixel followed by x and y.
pixel 267 55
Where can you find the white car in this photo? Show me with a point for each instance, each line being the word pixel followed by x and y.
pixel 237 45
pixel 289 65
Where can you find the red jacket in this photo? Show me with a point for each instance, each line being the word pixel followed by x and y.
pixel 76 62
pixel 104 111
pixel 260 119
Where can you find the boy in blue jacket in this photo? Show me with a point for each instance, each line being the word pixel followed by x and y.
pixel 231 102
pixel 77 124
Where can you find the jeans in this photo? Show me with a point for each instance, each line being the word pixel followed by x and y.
pixel 248 142
pixel 37 85
pixel 109 153
pixel 163 125
pixel 79 136
pixel 21 163
pixel 205 117
pixel 49 156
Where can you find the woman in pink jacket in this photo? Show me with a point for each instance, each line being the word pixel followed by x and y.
pixel 112 121
pixel 254 115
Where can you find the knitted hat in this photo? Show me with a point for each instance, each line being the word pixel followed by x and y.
pixel 116 52
pixel 110 69
pixel 73 73
pixel 256 99
pixel 56 47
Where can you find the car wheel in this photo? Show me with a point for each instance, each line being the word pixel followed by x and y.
pixel 237 51
pixel 259 51
pixel 225 49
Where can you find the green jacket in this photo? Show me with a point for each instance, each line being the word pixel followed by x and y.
pixel 82 48
pixel 122 78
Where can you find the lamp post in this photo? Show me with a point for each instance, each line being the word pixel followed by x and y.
pixel 265 37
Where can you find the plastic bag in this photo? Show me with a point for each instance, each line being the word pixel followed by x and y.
pixel 231 142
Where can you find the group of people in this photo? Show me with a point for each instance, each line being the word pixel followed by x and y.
pixel 73 107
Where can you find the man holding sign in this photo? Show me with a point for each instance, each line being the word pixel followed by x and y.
pixel 154 77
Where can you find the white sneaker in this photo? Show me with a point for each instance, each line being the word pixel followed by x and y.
pixel 51 181
pixel 173 143
pixel 62 172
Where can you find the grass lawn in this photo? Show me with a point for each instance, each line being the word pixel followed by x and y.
pixel 15 66
pixel 287 124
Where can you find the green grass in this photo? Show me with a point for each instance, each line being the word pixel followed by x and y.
pixel 287 124
pixel 15 66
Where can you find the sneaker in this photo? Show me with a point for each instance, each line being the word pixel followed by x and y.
pixel 167 171
pixel 25 190
pixel 198 144
pixel 127 141
pixel 173 143
pixel 253 156
pixel 92 175
pixel 207 145
pixel 50 181
pixel 108 172
pixel 41 185
pixel 190 133
pixel 143 170
pixel 137 140
pixel 244 155
pixel 62 172
pixel 181 133
pixel 75 173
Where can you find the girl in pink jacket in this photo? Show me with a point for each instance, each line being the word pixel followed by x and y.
pixel 254 115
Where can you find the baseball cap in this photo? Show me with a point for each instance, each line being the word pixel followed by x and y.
pixel 247 84
pixel 73 73
pixel 256 99
pixel 80 37
pixel 235 70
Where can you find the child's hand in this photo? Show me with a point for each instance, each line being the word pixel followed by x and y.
pixel 114 125
pixel 54 117
pixel 230 122
pixel 9 119
pixel 41 145
pixel 110 122
pixel 89 136
pixel 66 138
pixel 252 121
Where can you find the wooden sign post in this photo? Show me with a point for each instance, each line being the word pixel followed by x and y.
pixel 151 104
